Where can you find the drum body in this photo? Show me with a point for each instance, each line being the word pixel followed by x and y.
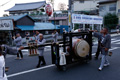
pixel 81 47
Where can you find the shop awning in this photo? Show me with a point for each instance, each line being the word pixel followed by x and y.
pixel 23 28
pixel 38 26
pixel 44 26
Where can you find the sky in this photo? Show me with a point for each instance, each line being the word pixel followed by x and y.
pixel 12 3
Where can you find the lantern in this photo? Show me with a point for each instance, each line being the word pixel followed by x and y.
pixel 49 9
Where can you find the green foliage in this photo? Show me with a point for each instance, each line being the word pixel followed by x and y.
pixel 76 26
pixel 65 11
pixel 41 13
pixel 33 14
pixel 110 20
pixel 42 10
pixel 5 15
pixel 83 12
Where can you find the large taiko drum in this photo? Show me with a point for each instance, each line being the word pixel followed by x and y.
pixel 80 47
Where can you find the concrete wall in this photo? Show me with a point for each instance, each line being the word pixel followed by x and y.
pixel 25 21
pixel 104 9
pixel 118 9
pixel 87 5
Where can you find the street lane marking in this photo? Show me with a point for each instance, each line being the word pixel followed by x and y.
pixel 109 50
pixel 115 41
pixel 28 71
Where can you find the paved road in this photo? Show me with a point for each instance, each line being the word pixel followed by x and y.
pixel 25 69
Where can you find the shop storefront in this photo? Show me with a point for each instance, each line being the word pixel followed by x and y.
pixel 6 28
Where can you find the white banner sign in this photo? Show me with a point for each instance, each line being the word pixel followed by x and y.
pixel 6 25
pixel 86 19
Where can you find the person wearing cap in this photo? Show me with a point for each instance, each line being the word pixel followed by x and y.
pixel 41 41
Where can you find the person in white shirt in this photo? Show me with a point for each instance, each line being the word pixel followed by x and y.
pixel 2 66
pixel 64 31
pixel 41 41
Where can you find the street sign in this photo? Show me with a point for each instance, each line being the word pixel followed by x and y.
pixel 86 19
pixel 6 24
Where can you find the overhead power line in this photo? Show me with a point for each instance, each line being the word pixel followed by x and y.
pixel 5 3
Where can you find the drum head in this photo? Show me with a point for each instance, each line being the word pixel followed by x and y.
pixel 82 48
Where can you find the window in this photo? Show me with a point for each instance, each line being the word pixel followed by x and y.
pixel 102 8
pixel 57 22
pixel 82 1
pixel 118 10
pixel 112 7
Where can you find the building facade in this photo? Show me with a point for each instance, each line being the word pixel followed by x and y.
pixel 118 9
pixel 59 19
pixel 109 6
pixel 85 5
pixel 106 7
pixel 23 24
pixel 27 8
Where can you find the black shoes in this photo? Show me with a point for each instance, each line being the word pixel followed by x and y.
pixel 43 64
pixel 96 58
pixel 41 58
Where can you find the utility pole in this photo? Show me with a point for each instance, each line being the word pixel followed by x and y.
pixel 52 1
pixel 70 15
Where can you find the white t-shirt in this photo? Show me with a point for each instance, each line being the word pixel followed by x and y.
pixel 2 69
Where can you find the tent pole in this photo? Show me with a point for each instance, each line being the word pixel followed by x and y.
pixel 73 26
pixel 92 26
pixel 100 27
pixel 83 26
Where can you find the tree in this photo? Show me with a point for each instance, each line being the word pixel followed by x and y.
pixel 62 6
pixel 110 20
pixel 5 15
pixel 51 1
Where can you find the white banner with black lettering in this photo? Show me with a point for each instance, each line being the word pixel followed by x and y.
pixel 86 19
pixel 6 24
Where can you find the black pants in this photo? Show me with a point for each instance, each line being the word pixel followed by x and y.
pixel 98 51
pixel 20 52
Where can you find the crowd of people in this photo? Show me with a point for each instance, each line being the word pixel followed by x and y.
pixel 104 44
